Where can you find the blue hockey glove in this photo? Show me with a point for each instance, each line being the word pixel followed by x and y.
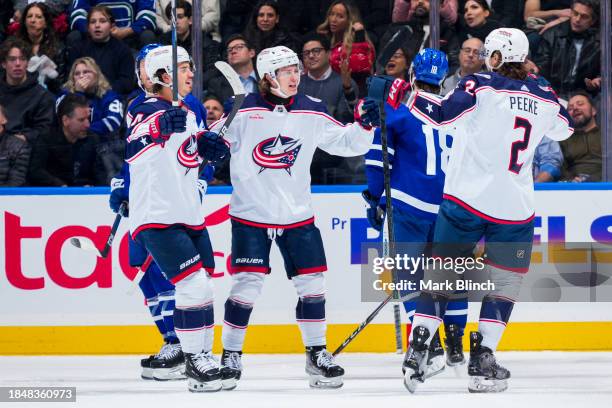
pixel 118 195
pixel 207 174
pixel 367 113
pixel 212 147
pixel 174 120
pixel 375 213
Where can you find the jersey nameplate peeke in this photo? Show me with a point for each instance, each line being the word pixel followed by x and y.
pixel 524 104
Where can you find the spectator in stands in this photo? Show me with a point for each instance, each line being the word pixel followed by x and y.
pixel 210 48
pixel 539 16
pixel 29 106
pixel 48 53
pixel 86 79
pixel 112 56
pixel 66 156
pixel 582 151
pixel 338 92
pixel 135 20
pixel 399 64
pixel 569 53
pixel 352 51
pixel 235 17
pixel 14 157
pixel 419 23
pixel 470 62
pixel 547 161
pixel 476 21
pixel 265 29
pixel 404 9
pixel 376 17
pixel 214 109
pixel 240 54
pixel 210 17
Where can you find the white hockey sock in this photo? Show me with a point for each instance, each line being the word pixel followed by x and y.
pixel 193 314
pixel 310 309
pixel 431 323
pixel 491 333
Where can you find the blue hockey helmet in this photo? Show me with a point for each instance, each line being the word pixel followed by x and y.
pixel 140 57
pixel 430 66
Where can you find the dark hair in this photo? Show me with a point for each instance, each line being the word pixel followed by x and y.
pixel 68 105
pixel 241 37
pixel 581 92
pixel 593 4
pixel 435 89
pixel 252 25
pixel 14 42
pixel 101 9
pixel 513 70
pixel 49 43
pixel 481 3
pixel 212 97
pixel 184 4
pixel 323 40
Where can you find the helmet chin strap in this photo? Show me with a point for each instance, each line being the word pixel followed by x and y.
pixel 276 88
pixel 491 67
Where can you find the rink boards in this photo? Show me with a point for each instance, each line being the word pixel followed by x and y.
pixel 57 299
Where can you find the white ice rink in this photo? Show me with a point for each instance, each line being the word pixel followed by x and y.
pixel 539 379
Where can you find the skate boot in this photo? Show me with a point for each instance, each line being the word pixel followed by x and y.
pixel 231 369
pixel 415 361
pixel 169 363
pixel 202 372
pixel 322 369
pixel 454 346
pixel 145 365
pixel 435 358
pixel 485 374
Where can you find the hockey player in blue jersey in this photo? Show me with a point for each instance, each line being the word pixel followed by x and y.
pixel 272 141
pixel 498 119
pixel 197 354
pixel 418 156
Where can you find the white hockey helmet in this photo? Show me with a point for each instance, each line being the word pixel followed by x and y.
pixel 161 58
pixel 272 59
pixel 512 43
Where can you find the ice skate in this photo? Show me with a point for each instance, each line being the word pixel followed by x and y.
pixel 435 358
pixel 231 369
pixel 415 360
pixel 454 346
pixel 169 363
pixel 145 365
pixel 322 369
pixel 485 374
pixel 202 372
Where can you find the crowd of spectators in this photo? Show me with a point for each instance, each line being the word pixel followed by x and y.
pixel 68 70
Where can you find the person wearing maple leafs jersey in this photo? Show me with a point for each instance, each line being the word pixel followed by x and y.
pixel 272 142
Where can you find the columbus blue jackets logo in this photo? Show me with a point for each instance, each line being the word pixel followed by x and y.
pixel 187 154
pixel 278 152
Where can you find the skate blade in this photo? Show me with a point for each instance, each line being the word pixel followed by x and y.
pixel 197 386
pixel 455 363
pixel 319 381
pixel 412 379
pixel 229 384
pixel 486 385
pixel 435 367
pixel 147 373
pixel 169 374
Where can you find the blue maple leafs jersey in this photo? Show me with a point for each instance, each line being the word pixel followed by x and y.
pixel 137 14
pixel 418 156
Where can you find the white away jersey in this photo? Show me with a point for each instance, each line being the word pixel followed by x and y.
pixel 271 150
pixel 497 123
pixel 163 177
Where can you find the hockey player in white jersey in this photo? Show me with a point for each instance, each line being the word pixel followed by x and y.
pixel 272 141
pixel 165 149
pixel 498 119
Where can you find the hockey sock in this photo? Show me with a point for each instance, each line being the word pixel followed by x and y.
pixel 166 302
pixel 494 315
pixel 194 314
pixel 429 312
pixel 152 303
pixel 456 313
pixel 310 315
pixel 236 320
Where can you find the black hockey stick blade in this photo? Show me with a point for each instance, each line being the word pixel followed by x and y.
pixel 398 39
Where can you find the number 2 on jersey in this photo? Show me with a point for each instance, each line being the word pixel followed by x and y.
pixel 520 145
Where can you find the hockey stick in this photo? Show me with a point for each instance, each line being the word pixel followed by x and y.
pixel 175 99
pixel 238 89
pixel 87 245
pixel 396 41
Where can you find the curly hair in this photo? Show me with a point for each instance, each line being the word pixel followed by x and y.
pixel 49 44
pixel 102 85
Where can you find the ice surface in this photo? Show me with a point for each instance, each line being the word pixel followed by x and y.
pixel 539 379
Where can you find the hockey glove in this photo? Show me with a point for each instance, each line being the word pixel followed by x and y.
pixel 367 113
pixel 387 88
pixel 118 195
pixel 207 174
pixel 212 147
pixel 375 213
pixel 174 120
